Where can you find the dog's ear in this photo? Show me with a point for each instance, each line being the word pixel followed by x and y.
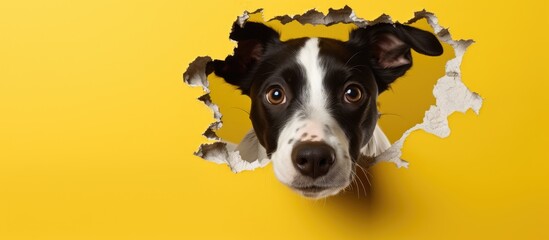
pixel 253 40
pixel 388 49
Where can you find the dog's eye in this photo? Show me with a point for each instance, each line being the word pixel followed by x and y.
pixel 353 93
pixel 275 96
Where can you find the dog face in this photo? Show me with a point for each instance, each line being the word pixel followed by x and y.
pixel 314 99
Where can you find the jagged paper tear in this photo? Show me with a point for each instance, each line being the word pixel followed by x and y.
pixel 450 93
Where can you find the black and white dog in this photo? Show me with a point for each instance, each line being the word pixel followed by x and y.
pixel 314 109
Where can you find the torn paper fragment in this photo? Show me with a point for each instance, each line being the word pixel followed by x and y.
pixel 450 93
pixel 344 15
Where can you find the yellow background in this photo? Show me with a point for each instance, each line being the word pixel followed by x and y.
pixel 97 130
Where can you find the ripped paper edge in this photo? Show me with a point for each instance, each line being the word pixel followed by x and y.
pixel 450 93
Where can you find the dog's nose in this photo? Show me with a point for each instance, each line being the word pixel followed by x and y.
pixel 313 159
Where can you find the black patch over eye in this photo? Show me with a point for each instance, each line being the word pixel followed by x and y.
pixel 353 93
pixel 275 95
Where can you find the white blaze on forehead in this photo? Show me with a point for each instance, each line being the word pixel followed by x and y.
pixel 315 103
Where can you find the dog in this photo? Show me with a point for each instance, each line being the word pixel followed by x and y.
pixel 314 100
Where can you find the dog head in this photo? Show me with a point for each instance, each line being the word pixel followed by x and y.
pixel 314 100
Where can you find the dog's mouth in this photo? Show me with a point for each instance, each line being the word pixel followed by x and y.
pixel 315 191
pixel 311 189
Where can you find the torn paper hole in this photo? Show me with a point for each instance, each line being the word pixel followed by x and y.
pixel 450 93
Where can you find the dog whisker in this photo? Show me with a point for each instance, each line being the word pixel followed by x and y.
pixel 362 184
pixel 356 183
pixel 242 110
pixel 351 58
pixel 390 114
pixel 356 180
pixel 365 173
pixel 356 67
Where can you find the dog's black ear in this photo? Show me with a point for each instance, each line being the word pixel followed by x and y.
pixel 253 40
pixel 388 49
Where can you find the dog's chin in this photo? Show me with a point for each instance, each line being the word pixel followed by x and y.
pixel 317 192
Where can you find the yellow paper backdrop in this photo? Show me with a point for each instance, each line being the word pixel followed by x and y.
pixel 97 131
